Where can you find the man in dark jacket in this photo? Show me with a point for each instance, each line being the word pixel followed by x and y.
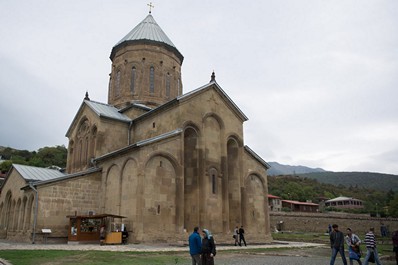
pixel 195 246
pixel 337 244
pixel 242 236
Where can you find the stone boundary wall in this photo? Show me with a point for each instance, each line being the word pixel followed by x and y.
pixel 318 222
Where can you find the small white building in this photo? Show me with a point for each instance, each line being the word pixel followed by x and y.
pixel 344 203
pixel 274 203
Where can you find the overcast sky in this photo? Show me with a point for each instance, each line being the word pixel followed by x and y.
pixel 317 79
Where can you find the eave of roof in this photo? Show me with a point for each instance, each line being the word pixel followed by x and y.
pixel 300 203
pixel 257 157
pixel 139 144
pixel 65 177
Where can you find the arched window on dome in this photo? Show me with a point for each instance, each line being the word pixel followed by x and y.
pixel 117 85
pixel 133 77
pixel 152 80
pixel 168 85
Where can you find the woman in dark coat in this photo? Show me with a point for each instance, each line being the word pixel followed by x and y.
pixel 208 248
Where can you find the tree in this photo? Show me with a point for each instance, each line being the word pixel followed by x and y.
pixel 393 209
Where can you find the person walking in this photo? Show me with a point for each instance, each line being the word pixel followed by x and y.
pixel 208 248
pixel 395 244
pixel 353 243
pixel 195 246
pixel 102 235
pixel 337 244
pixel 370 242
pixel 242 236
pixel 236 233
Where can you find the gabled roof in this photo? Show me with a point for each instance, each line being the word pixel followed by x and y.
pixel 213 84
pixel 102 110
pixel 33 174
pixel 108 111
pixel 147 31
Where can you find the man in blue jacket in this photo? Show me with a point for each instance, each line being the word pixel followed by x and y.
pixel 195 246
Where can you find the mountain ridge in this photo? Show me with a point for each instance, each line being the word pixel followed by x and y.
pixel 368 180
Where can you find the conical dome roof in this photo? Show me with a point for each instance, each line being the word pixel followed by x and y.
pixel 147 31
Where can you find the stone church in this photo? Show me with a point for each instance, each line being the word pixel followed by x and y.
pixel 162 160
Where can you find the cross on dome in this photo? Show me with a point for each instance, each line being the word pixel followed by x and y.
pixel 150 7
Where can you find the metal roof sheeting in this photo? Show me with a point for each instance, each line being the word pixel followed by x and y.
pixel 106 110
pixel 37 173
pixel 148 29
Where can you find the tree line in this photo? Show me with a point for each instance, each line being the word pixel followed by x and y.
pixel 44 157
pixel 376 202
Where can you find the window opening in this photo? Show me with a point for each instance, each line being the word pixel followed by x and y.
pixel 152 80
pixel 168 85
pixel 132 85
pixel 213 183
pixel 117 88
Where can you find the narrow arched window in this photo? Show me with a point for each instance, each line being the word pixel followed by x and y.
pixel 133 76
pixel 168 85
pixel 213 183
pixel 152 80
pixel 117 85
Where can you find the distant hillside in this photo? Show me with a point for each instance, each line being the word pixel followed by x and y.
pixel 279 169
pixel 378 181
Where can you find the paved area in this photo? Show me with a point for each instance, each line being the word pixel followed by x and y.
pixel 144 247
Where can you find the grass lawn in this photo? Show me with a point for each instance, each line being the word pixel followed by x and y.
pixel 60 257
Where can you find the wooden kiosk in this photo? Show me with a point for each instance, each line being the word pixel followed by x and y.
pixel 86 228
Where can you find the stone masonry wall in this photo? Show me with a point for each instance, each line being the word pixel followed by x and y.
pixel 318 222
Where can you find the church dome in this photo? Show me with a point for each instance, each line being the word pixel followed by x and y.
pixel 147 31
pixel 146 67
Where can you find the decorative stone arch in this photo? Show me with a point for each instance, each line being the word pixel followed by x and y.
pixel 24 209
pixel 191 125
pixel 134 77
pixel 213 194
pixel 92 142
pixel 11 225
pixel 71 151
pixel 166 155
pixel 235 137
pixel 130 194
pixel 233 180
pixel 215 116
pixel 7 210
pixel 191 140
pixel 29 213
pixel 17 214
pixel 82 143
pixel 161 214
pixel 117 83
pixel 255 203
pixel 1 215
pixel 112 188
